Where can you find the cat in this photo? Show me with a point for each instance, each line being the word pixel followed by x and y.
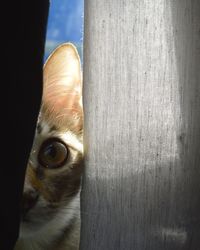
pixel 50 217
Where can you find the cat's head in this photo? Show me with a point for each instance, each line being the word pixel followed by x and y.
pixel 54 169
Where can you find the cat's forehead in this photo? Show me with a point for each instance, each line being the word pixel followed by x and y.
pixel 45 128
pixel 49 122
pixel 62 121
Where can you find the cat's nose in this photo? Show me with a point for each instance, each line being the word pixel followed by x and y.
pixel 29 200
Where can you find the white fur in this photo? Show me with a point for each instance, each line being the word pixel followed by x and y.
pixel 72 141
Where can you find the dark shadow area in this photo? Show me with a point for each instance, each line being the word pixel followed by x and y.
pixel 22 49
pixel 186 31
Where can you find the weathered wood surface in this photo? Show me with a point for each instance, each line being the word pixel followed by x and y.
pixel 141 188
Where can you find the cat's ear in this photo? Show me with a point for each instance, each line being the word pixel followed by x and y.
pixel 62 81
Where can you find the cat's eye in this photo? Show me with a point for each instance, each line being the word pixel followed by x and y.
pixel 53 153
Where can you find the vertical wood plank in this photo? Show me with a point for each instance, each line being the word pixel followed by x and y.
pixel 142 125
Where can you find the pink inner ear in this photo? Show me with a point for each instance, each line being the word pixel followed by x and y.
pixel 62 82
pixel 61 100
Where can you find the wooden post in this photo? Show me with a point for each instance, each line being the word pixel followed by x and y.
pixel 141 188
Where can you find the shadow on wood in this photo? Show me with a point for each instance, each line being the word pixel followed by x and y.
pixel 142 123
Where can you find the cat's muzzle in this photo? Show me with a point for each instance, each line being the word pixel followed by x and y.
pixel 29 200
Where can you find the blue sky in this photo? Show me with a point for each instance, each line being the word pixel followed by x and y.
pixel 65 24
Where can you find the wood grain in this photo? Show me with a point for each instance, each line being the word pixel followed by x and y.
pixel 141 186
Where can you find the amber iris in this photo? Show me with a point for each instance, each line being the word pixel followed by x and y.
pixel 53 153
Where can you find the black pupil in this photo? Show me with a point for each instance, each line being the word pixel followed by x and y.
pixel 51 151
